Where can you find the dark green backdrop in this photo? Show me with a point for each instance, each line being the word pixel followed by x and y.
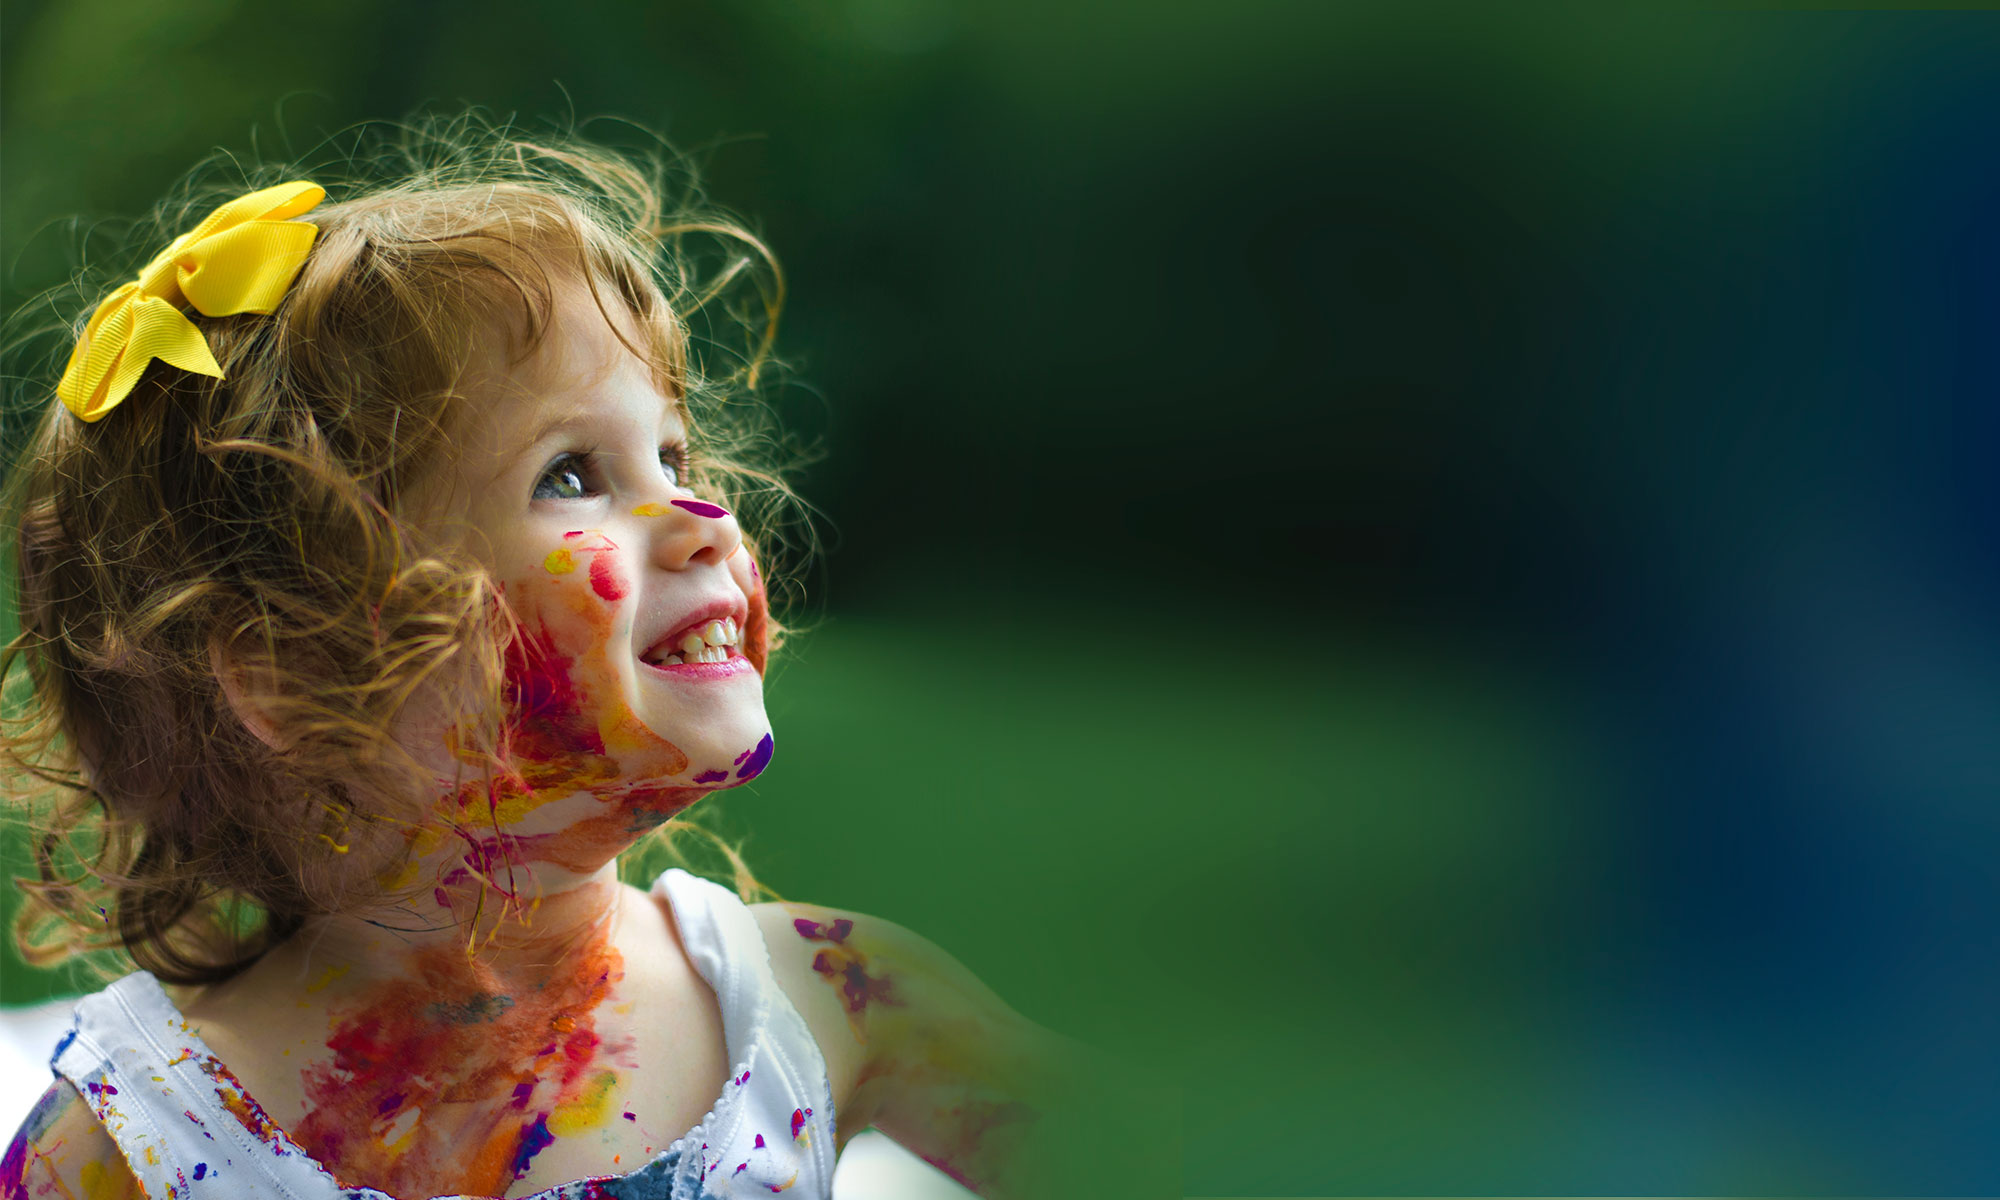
pixel 1426 574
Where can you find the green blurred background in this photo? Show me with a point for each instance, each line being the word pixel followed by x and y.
pixel 1424 573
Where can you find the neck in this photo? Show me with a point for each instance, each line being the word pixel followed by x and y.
pixel 518 883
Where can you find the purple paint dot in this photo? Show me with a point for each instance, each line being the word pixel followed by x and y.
pixel 630 1117
pixel 711 777
pixel 760 1141
pixel 759 759
pixel 521 1093
pixel 701 508
pixel 200 1169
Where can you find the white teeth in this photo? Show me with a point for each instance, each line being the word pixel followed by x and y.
pixel 709 644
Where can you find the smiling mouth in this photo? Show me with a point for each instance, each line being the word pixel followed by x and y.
pixel 714 642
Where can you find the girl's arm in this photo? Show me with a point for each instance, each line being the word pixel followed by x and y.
pixel 63 1151
pixel 919 1048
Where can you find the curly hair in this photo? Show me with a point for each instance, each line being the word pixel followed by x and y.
pixel 254 520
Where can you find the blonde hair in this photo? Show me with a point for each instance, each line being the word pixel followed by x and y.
pixel 256 517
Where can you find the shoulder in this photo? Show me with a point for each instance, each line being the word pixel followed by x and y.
pixel 792 959
pixel 938 1062
pixel 876 996
pixel 63 1150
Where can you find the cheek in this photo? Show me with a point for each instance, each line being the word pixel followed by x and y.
pixel 571 597
pixel 757 629
pixel 608 577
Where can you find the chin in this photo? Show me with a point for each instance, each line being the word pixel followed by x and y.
pixel 734 757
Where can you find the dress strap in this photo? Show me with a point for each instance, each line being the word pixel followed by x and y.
pixel 787 1111
pixel 184 1123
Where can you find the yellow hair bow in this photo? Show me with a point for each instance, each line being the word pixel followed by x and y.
pixel 240 259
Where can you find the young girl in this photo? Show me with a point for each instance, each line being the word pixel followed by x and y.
pixel 382 577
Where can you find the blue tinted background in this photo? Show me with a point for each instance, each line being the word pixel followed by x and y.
pixel 1429 577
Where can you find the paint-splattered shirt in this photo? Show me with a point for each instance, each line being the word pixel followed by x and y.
pixel 190 1130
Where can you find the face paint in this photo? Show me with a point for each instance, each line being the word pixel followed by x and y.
pixel 701 508
pixel 753 761
pixel 605 578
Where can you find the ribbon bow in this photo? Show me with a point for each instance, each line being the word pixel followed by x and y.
pixel 240 259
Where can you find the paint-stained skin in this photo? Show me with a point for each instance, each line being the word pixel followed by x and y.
pixel 27 1162
pixel 846 968
pixel 701 508
pixel 530 1065
pixel 751 762
pixel 973 1138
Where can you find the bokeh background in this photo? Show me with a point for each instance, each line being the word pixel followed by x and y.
pixel 1431 576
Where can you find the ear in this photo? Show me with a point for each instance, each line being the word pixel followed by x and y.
pixel 243 684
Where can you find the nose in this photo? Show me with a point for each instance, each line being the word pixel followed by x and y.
pixel 687 532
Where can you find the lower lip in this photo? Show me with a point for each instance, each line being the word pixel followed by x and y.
pixel 729 668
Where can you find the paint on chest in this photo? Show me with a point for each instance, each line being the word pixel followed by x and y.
pixel 436 1076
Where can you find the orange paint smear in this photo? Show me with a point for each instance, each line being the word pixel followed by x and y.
pixel 440 1038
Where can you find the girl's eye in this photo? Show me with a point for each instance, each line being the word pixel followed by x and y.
pixel 674 461
pixel 566 478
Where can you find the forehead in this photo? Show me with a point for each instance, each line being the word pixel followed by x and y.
pixel 591 365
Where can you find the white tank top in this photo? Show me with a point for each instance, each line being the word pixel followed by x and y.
pixel 190 1132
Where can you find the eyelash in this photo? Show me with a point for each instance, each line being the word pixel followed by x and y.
pixel 582 466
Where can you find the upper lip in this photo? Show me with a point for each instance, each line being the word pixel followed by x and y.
pixel 715 610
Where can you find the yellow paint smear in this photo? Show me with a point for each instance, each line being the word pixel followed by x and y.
pixel 100 1182
pixel 586 1112
pixel 397 880
pixel 327 977
pixel 651 510
pixel 560 561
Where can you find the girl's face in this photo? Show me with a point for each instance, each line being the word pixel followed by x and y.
pixel 636 678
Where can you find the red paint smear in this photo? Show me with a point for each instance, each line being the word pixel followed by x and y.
pixel 546 716
pixel 604 577
pixel 394 1052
